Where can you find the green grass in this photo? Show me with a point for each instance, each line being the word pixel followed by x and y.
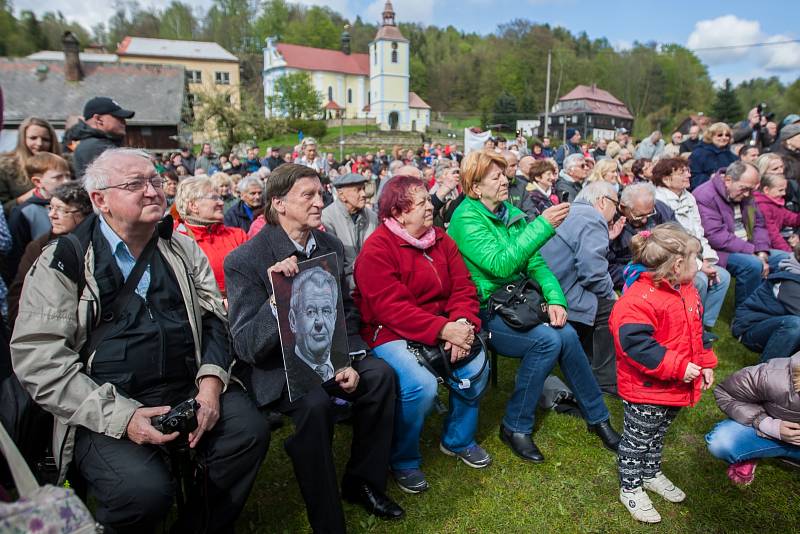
pixel 575 490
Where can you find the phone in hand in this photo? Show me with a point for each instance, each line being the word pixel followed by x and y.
pixel 564 197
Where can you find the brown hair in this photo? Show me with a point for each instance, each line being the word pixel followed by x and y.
pixel 44 161
pixel 22 153
pixel 666 167
pixel 659 249
pixel 540 167
pixel 280 182
pixel 475 166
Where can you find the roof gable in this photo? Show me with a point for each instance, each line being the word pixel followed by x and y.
pixel 585 92
pixel 144 46
pixel 310 58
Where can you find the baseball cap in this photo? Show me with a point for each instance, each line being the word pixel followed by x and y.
pixel 102 105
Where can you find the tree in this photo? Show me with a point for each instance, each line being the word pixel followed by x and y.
pixel 273 20
pixel 505 109
pixel 219 120
pixel 726 107
pixel 295 96
pixel 177 22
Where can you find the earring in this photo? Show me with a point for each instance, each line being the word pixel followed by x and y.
pixel 480 195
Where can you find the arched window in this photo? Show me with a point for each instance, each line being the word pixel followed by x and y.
pixel 394 52
pixel 375 55
pixel 330 94
pixel 349 96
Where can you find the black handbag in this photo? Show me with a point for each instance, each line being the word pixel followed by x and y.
pixel 520 305
pixel 437 361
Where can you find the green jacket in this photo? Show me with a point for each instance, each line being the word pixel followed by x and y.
pixel 498 253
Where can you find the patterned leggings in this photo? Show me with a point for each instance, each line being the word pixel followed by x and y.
pixel 639 453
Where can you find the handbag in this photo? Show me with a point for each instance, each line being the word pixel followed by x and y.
pixel 50 509
pixel 437 361
pixel 520 305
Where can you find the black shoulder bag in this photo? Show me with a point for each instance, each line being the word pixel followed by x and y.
pixel 437 361
pixel 520 305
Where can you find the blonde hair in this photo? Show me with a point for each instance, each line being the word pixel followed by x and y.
pixel 600 168
pixel 475 166
pixel 220 178
pixel 190 190
pixel 716 128
pixel 660 248
pixel 764 160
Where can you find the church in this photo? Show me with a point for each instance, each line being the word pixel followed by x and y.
pixel 355 86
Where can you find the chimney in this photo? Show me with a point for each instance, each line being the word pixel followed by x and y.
pixel 346 40
pixel 72 60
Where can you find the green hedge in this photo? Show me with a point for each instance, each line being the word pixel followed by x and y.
pixel 309 128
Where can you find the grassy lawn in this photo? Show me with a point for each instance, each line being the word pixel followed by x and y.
pixel 575 490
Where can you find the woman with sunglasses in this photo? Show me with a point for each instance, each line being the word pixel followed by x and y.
pixel 713 154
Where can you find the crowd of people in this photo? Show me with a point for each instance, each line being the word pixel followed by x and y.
pixel 135 281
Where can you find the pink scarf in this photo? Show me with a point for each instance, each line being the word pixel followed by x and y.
pixel 423 243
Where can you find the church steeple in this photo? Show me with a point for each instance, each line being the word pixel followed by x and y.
pixel 388 14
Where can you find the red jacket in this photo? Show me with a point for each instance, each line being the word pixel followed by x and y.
pixel 407 293
pixel 657 332
pixel 776 216
pixel 216 241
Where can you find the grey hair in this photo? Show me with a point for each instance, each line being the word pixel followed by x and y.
pixel 317 276
pixel 594 191
pixel 394 165
pixel 190 190
pixel 737 169
pixel 572 161
pixel 245 183
pixel 100 170
pixel 637 190
pixel 442 165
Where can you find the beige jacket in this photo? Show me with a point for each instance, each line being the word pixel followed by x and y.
pixel 52 326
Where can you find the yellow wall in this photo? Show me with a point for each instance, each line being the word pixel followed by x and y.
pixel 340 84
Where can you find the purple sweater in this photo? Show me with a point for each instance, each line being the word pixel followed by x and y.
pixel 716 213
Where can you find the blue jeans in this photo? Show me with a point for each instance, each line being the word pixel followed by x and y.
pixel 417 392
pixel 712 297
pixel 747 269
pixel 734 442
pixel 776 337
pixel 540 349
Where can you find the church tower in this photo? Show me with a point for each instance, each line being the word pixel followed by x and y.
pixel 388 75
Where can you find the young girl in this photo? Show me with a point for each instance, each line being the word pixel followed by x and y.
pixel 771 204
pixel 661 361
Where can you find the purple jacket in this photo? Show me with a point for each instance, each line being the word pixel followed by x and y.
pixel 716 213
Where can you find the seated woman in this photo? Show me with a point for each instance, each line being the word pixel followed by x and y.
pixel 412 285
pixel 225 188
pixel 769 320
pixel 606 170
pixel 200 209
pixel 500 248
pixel 762 403
pixel 540 193
pixel 69 206
pixel 771 202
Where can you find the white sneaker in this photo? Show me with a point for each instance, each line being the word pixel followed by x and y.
pixel 664 487
pixel 639 505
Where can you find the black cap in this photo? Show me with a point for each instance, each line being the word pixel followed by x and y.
pixel 102 105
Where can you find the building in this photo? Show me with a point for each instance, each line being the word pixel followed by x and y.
pixel 354 86
pixel 594 112
pixel 56 89
pixel 210 69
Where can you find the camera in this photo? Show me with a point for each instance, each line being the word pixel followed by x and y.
pixel 182 418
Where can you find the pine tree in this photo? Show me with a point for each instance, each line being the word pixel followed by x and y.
pixel 726 107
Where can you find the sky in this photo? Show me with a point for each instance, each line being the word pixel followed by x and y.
pixel 695 24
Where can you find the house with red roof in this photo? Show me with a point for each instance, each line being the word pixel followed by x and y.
pixel 596 113
pixel 354 86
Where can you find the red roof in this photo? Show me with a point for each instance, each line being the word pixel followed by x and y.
pixel 414 101
pixel 333 105
pixel 309 58
pixel 598 101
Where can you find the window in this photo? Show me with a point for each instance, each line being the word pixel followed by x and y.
pixel 349 96
pixel 330 94
pixel 194 76
pixel 222 78
pixel 375 55
pixel 394 52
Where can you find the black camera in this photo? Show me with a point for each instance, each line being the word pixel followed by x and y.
pixel 182 418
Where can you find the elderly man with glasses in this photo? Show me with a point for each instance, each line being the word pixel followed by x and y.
pixel 571 178
pixel 115 328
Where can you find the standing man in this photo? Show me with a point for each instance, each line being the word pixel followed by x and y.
pixel 349 220
pixel 206 161
pixel 569 147
pixel 103 128
pixel 547 150
pixel 294 214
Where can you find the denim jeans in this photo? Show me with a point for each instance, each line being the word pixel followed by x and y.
pixel 776 337
pixel 417 393
pixel 540 349
pixel 747 269
pixel 712 297
pixel 734 442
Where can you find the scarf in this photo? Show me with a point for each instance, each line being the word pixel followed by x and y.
pixel 423 243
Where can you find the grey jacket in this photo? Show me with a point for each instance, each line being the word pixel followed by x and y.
pixel 577 256
pixel 52 327
pixel 566 183
pixel 338 221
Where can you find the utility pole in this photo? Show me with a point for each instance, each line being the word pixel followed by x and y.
pixel 547 96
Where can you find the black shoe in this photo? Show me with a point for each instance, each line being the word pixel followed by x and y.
pixel 607 434
pixel 274 419
pixel 522 445
pixel 375 502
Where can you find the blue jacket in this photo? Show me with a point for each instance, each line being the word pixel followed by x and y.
pixel 707 159
pixel 577 256
pixel 240 216
pixel 765 304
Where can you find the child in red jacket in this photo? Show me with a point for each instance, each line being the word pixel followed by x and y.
pixel 662 363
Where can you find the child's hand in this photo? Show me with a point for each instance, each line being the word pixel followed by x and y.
pixel 708 378
pixel 692 372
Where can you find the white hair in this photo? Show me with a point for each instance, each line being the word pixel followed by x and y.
pixel 594 191
pixel 98 172
pixel 637 190
pixel 244 184
pixel 190 190
pixel 573 160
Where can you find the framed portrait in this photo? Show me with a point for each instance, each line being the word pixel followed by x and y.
pixel 311 324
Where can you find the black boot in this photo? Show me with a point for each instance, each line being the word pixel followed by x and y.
pixel 521 444
pixel 607 434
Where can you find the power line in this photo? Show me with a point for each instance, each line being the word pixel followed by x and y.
pixel 752 45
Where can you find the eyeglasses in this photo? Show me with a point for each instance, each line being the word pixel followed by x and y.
pixel 638 218
pixel 215 198
pixel 722 135
pixel 137 185
pixel 616 202
pixel 60 211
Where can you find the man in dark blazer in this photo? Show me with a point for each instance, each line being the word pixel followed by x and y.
pixel 294 206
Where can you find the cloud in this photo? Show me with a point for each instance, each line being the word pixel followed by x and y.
pixel 407 11
pixel 730 30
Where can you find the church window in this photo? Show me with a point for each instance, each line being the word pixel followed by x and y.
pixel 330 94
pixel 375 55
pixel 394 52
pixel 349 96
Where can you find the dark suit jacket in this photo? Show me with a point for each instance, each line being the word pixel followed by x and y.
pixel 254 328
